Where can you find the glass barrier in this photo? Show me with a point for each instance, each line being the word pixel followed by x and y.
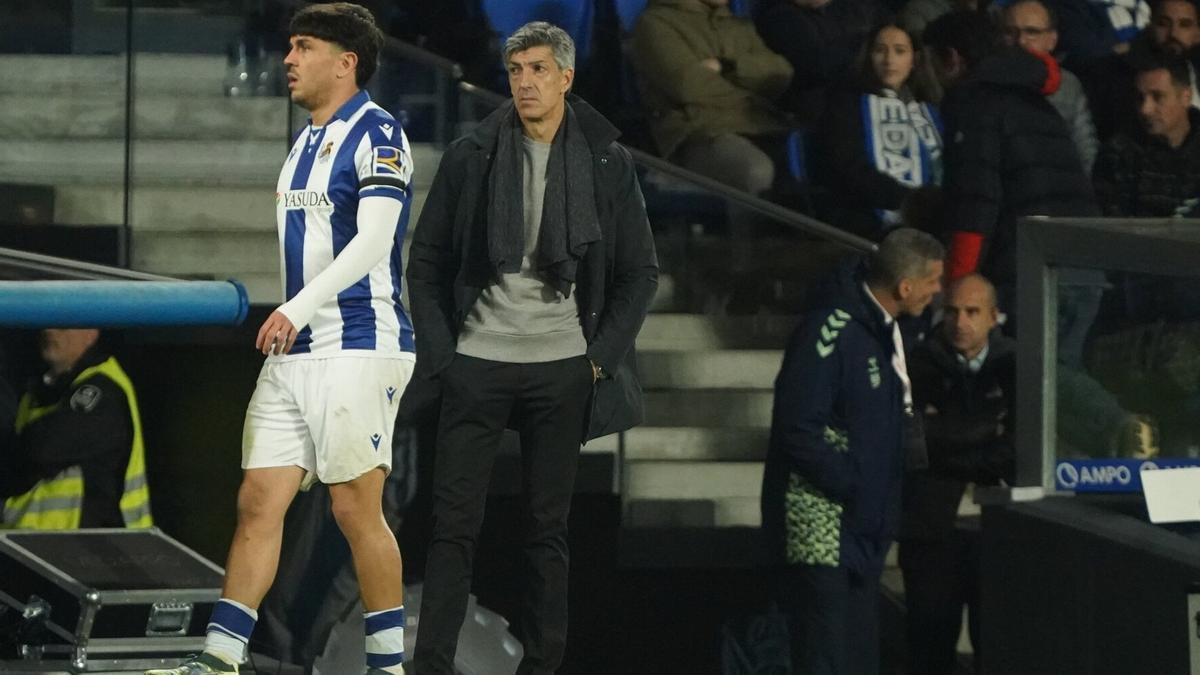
pixel 1109 366
pixel 1132 378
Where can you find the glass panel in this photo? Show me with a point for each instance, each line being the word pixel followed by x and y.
pixel 1129 365
pixel 63 125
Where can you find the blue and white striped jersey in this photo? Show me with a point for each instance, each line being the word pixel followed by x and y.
pixel 360 152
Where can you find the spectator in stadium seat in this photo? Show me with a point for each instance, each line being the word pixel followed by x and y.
pixel 77 459
pixel 820 38
pixel 709 86
pixel 882 138
pixel 1174 30
pixel 1031 24
pixel 1155 172
pixel 964 389
pixel 838 450
pixel 709 83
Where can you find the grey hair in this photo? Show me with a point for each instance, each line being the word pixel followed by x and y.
pixel 905 253
pixel 542 34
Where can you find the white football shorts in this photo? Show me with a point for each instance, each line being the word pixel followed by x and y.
pixel 331 417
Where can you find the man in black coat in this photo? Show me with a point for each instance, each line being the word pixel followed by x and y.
pixel 1155 172
pixel 530 273
pixel 1008 152
pixel 963 381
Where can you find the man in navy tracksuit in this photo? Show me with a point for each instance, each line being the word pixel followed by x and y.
pixel 831 488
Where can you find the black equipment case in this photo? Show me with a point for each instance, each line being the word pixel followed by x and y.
pixel 102 600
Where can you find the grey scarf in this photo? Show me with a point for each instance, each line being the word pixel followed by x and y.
pixel 569 220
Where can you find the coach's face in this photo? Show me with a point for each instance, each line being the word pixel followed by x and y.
pixel 314 68
pixel 539 86
pixel 916 293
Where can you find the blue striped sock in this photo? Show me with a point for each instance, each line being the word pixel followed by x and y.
pixel 385 639
pixel 229 630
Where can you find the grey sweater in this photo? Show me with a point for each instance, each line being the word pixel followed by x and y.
pixel 1071 102
pixel 519 318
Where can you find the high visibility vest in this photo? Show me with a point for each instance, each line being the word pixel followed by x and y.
pixel 57 503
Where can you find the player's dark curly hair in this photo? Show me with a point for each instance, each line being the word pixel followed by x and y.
pixel 348 26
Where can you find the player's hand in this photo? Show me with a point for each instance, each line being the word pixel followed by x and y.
pixel 712 64
pixel 277 335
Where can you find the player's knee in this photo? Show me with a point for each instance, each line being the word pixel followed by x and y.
pixel 355 514
pixel 259 505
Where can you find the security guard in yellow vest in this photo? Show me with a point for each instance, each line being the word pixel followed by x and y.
pixel 77 458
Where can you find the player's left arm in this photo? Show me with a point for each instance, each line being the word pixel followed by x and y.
pixel 384 172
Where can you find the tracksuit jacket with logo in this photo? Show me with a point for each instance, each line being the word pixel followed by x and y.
pixel 831 486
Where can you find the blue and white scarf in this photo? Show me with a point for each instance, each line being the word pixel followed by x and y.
pixel 1128 17
pixel 904 141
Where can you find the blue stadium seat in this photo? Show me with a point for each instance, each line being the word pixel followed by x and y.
pixel 574 16
pixel 797 154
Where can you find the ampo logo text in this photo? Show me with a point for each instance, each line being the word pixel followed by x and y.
pixel 1070 476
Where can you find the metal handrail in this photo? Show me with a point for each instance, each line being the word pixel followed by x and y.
pixel 767 208
pixel 65 268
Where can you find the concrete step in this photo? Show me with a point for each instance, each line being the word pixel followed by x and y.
pixel 687 444
pixel 179 208
pixel 714 513
pixel 691 480
pixel 709 369
pixel 155 162
pixel 187 75
pixel 682 332
pixel 194 164
pixel 689 548
pixel 709 408
pixel 224 253
pixel 203 118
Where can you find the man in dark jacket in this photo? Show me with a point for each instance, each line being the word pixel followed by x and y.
pixel 831 486
pixel 964 388
pixel 1008 152
pixel 1155 172
pixel 531 271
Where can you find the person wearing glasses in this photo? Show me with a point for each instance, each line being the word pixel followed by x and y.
pixel 1032 24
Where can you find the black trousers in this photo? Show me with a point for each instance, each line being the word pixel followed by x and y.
pixel 546 403
pixel 833 614
pixel 940 578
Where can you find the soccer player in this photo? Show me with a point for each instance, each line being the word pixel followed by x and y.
pixel 339 350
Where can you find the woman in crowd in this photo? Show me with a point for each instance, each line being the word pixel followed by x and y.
pixel 882 141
